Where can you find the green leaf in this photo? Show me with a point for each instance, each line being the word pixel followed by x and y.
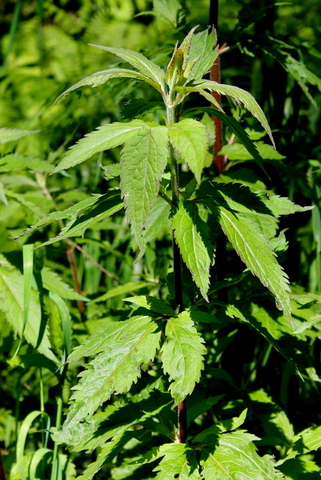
pixel 236 128
pixel 305 442
pixel 143 161
pixel 12 134
pixel 120 352
pixel 182 355
pixel 206 436
pixel 157 224
pixel 151 303
pixel 138 107
pixel 255 251
pixel 241 96
pixel 169 10
pixel 104 207
pixel 3 197
pixel 204 52
pixel 300 468
pixel 178 461
pixel 54 283
pixel 139 61
pixel 99 78
pixel 68 213
pixel 191 235
pixel 189 138
pixel 233 456
pixel 13 162
pixel 105 137
pixel 282 205
pixel 237 151
pixel 121 290
pixel 12 293
pixel 107 453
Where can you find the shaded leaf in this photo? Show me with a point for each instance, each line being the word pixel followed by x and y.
pixel 178 461
pixel 138 107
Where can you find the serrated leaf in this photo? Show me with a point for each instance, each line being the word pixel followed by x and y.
pixel 189 138
pixel 14 162
pixel 157 223
pixel 3 197
pixel 283 205
pixel 139 61
pixel 12 294
pixel 178 461
pixel 233 456
pixel 54 283
pixel 168 10
pixel 68 213
pixel 191 236
pixel 12 134
pixel 120 352
pixel 300 468
pixel 241 96
pixel 104 207
pixel 305 442
pixel 255 251
pixel 107 453
pixel 182 355
pixel 207 435
pixel 99 78
pixel 237 129
pixel 121 290
pixel 237 151
pixel 151 303
pixel 104 138
pixel 143 161
pixel 204 52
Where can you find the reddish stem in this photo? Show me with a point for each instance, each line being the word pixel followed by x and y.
pixel 219 160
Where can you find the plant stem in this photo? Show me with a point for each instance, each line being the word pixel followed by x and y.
pixel 177 266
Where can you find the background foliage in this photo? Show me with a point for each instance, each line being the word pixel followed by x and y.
pixel 274 52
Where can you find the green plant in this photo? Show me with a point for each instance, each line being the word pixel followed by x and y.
pixel 255 355
pixel 162 339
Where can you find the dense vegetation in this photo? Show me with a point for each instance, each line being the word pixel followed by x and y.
pixel 175 268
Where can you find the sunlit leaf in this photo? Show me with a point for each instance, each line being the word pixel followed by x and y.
pixel 189 138
pixel 143 161
pixel 104 138
pixel 191 235
pixel 182 355
pixel 120 352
